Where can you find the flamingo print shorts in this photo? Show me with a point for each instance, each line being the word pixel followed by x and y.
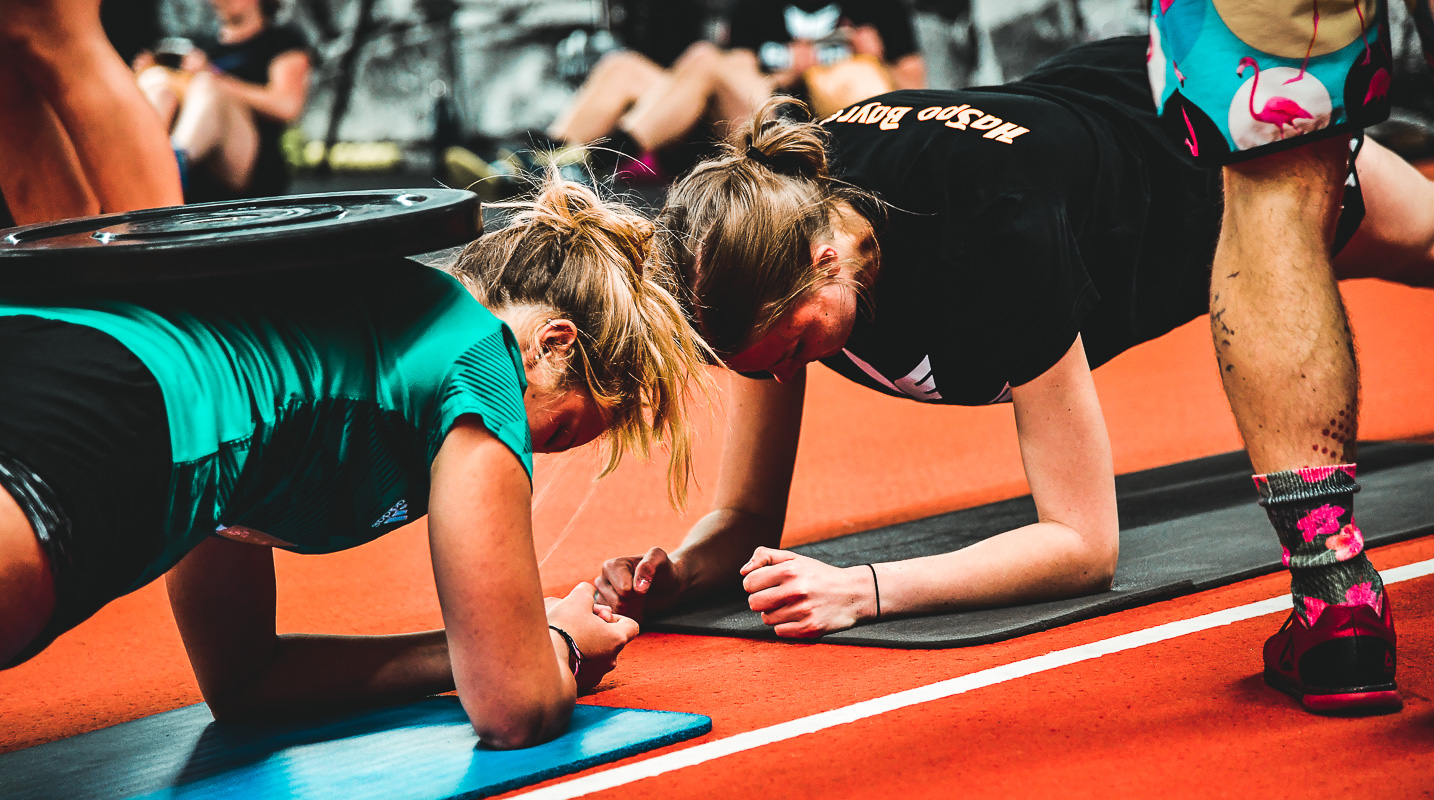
pixel 1238 79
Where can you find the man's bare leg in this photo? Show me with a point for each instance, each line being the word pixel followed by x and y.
pixel 42 179
pixel 1282 339
pixel 1287 360
pixel 118 139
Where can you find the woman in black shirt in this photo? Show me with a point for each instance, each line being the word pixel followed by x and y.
pixel 1004 241
pixel 229 102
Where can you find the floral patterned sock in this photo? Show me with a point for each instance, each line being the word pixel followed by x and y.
pixel 1312 510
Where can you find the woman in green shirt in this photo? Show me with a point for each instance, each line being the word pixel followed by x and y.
pixel 190 438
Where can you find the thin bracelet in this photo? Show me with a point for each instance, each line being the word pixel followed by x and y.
pixel 575 656
pixel 877 588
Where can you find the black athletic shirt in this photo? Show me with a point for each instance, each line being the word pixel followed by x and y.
pixel 1021 215
pixel 249 61
pixel 766 27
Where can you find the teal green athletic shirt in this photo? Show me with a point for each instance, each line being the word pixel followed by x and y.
pixel 315 418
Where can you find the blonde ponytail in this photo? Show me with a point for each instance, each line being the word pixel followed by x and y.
pixel 569 250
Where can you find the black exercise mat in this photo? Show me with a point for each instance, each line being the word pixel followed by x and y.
pixel 1184 528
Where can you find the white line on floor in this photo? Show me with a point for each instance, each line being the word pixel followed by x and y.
pixel 708 751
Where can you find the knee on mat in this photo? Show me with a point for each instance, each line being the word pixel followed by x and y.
pixel 1420 273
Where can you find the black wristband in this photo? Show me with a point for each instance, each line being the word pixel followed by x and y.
pixel 575 656
pixel 876 587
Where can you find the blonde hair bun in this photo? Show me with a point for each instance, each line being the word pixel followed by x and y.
pixel 737 230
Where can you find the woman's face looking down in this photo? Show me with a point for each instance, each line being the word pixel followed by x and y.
pixel 815 328
pixel 562 419
pixel 561 413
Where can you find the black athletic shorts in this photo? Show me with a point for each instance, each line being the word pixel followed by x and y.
pixel 84 450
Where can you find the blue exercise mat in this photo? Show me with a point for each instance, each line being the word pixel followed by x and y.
pixel 421 751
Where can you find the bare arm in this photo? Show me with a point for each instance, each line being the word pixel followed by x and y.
pixel 764 425
pixel 754 483
pixel 282 98
pixel 512 672
pixel 223 599
pixel 1071 551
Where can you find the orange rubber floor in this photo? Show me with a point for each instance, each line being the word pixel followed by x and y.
pixel 1186 717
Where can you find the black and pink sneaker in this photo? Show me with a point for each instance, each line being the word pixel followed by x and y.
pixel 1342 663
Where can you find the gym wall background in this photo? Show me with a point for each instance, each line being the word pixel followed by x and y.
pixel 503 63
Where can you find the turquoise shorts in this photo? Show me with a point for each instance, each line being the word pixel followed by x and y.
pixel 1238 79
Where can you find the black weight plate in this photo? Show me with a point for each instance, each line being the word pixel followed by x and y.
pixel 165 245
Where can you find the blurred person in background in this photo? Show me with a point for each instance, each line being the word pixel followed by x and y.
pixel 227 99
pixel 636 43
pixel 830 53
pixel 834 53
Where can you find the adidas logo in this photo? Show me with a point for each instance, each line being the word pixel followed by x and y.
pixel 1388 662
pixel 399 513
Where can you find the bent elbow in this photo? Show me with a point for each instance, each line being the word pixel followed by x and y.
pixel 252 703
pixel 514 729
pixel 226 712
pixel 1101 577
pixel 1100 569
pixel 236 707
pixel 509 736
